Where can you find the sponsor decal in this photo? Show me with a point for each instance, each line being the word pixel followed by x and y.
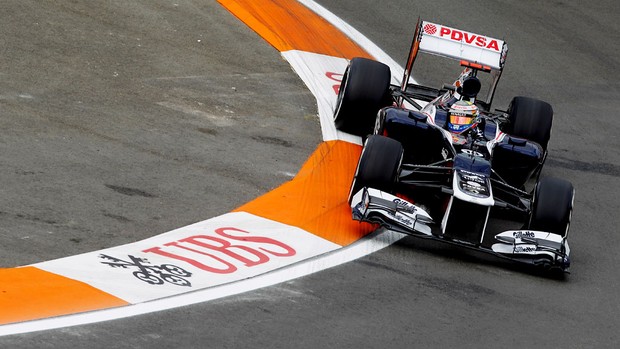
pixel 225 253
pixel 462 36
pixel 470 38
pixel 502 59
pixel 151 274
pixel 403 203
pixel 473 183
pixel 335 77
pixel 524 249
pixel 430 28
pixel 218 251
pixel 523 234
pixel 402 219
pixel 471 174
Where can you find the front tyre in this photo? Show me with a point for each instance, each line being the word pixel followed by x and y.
pixel 531 119
pixel 378 166
pixel 363 91
pixel 552 206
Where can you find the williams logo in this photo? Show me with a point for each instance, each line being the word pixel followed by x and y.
pixel 152 274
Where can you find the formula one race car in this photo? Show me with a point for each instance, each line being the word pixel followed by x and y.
pixel 437 163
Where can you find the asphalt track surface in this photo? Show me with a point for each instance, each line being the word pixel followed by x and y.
pixel 121 121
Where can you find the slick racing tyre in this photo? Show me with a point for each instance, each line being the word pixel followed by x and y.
pixel 553 206
pixel 363 91
pixel 530 119
pixel 378 166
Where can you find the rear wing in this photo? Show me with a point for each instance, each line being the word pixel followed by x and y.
pixel 473 50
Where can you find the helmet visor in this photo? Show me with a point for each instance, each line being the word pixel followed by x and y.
pixel 461 120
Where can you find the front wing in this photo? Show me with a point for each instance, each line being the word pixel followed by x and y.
pixel 538 248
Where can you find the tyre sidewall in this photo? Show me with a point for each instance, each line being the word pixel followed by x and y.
pixel 552 206
pixel 531 119
pixel 363 91
pixel 378 166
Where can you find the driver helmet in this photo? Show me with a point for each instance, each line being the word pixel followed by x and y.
pixel 462 116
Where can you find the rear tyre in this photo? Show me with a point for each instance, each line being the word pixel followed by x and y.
pixel 378 166
pixel 553 206
pixel 530 119
pixel 363 91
